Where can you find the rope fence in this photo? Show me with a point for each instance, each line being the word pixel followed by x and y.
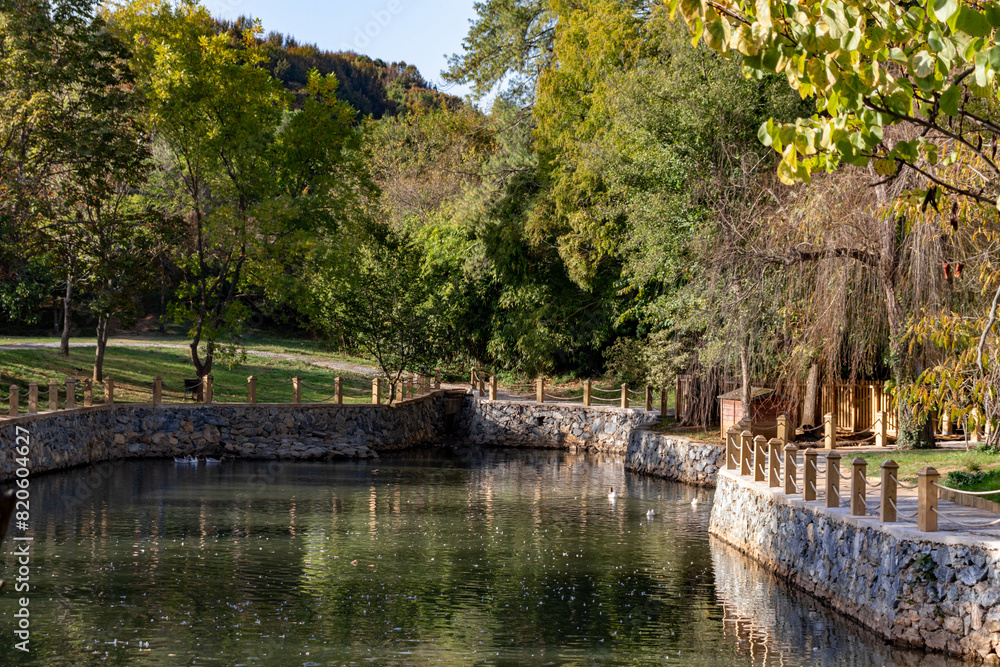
pixel 761 460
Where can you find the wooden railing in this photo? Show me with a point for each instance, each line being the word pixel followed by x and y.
pixel 775 462
pixel 71 394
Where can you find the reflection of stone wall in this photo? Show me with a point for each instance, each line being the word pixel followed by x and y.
pixel 768 619
pixel 941 595
pixel 673 458
pixel 520 424
pixel 322 431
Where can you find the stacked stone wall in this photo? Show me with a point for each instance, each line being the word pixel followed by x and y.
pixel 322 431
pixel 675 458
pixel 940 594
pixel 520 424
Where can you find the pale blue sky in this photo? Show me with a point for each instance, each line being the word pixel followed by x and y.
pixel 421 32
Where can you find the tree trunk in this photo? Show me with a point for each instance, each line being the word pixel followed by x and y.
pixel 67 317
pixel 102 343
pixel 810 414
pixel 913 430
pixel 746 392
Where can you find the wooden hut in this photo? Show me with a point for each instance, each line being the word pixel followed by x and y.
pixel 765 406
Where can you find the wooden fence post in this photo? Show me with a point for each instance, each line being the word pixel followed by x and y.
pixel 297 390
pixel 732 448
pixel 759 454
pixel 663 401
pixel 207 389
pixel 401 390
pixel 887 508
pixel 833 479
pixel 586 391
pixel 540 390
pixel 774 463
pixel 880 429
pixel 70 393
pixel 32 398
pixel 859 484
pixel 88 393
pixel 791 472
pixel 338 391
pixel 746 452
pixel 109 391
pixel 437 378
pixel 649 398
pixel 472 379
pixel 493 387
pixel 927 500
pixel 15 401
pixel 252 390
pixel 53 396
pixel 376 391
pixel 809 475
pixel 157 390
pixel 785 432
pixel 829 431
pixel 625 396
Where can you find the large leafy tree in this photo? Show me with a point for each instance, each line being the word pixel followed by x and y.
pixel 899 88
pixel 249 176
pixel 66 129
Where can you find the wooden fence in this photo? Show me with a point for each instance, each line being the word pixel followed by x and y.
pixel 853 404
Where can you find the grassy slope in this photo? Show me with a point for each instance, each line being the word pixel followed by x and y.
pixel 133 371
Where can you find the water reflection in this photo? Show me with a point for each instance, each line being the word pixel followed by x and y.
pixel 775 625
pixel 446 557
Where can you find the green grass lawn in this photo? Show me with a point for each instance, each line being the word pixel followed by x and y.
pixel 256 340
pixel 133 371
pixel 984 480
pixel 943 460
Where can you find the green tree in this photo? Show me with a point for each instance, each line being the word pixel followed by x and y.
pixel 66 102
pixel 384 305
pixel 249 177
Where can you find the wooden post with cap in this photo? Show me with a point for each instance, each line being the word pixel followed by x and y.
pixel 833 479
pixel 887 508
pixel 759 454
pixel 859 484
pixel 809 474
pixel 927 500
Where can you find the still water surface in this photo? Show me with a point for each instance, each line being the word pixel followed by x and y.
pixel 449 557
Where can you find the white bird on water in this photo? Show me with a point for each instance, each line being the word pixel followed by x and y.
pixel 695 501
pixel 612 496
pixel 649 514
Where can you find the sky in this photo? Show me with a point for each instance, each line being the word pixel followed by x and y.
pixel 420 32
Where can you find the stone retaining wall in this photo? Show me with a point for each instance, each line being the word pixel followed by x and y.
pixel 520 424
pixel 939 594
pixel 675 458
pixel 321 431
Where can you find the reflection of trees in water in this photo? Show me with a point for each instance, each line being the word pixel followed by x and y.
pixel 519 550
pixel 776 624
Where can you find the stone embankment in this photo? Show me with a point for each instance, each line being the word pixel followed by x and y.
pixel 550 425
pixel 940 594
pixel 86 435
pixel 675 458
